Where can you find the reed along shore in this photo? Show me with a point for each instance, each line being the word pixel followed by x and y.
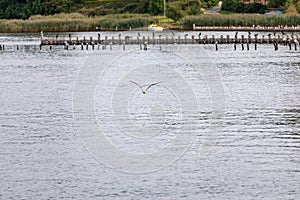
pixel 77 22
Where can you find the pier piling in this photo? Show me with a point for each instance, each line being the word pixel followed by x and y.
pixel 290 40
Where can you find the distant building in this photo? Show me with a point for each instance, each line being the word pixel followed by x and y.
pixel 264 2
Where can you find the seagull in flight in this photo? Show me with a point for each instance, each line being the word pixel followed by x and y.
pixel 145 90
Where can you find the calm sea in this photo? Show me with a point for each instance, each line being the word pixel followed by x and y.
pixel 166 144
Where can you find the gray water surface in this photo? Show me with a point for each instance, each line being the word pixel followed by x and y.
pixel 257 155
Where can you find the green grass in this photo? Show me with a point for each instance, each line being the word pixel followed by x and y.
pixel 165 20
pixel 224 12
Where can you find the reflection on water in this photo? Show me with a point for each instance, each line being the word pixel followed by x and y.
pixel 257 154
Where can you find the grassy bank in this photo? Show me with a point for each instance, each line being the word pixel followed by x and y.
pixel 77 22
pixel 241 20
pixel 74 22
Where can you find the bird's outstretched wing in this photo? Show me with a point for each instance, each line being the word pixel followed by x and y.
pixel 137 84
pixel 152 85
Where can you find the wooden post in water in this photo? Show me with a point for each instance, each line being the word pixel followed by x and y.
pixel 105 42
pixel 205 39
pixel 178 39
pixel 222 39
pixel 279 39
pixel 243 39
pixel 275 46
pixel 153 38
pixel 228 39
pixel 42 37
pixel 84 40
pixel 235 38
pixel 173 41
pixel 77 40
pixel 112 40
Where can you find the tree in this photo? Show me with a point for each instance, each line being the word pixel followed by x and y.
pixel 276 3
pixel 292 6
pixel 175 11
pixel 156 7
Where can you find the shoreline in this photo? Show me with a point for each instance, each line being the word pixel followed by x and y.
pixel 138 22
pixel 206 29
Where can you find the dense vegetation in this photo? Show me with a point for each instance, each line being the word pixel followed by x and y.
pixel 291 6
pixel 241 20
pixel 288 6
pixel 239 7
pixel 75 22
pixel 23 9
pixel 87 15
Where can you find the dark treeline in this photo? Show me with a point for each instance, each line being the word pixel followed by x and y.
pixel 288 6
pixel 20 9
pixel 176 9
pixel 23 9
pixel 239 7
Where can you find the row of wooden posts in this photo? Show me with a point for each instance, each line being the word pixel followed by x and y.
pixel 291 41
pixel 143 42
pixel 255 28
pixel 127 40
pixel 244 46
